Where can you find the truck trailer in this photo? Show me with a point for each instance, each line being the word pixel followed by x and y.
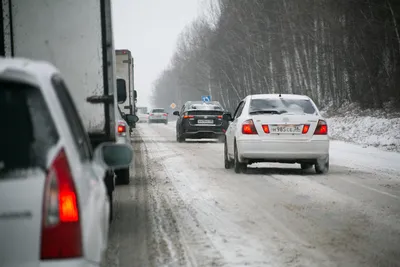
pixel 125 70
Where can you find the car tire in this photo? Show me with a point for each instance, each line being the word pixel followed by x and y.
pixel 322 166
pixel 181 139
pixel 238 166
pixel 166 122
pixel 111 204
pixel 123 176
pixel 221 139
pixel 228 162
pixel 306 166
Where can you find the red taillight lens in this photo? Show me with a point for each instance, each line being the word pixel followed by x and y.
pixel 265 128
pixel 322 128
pixel 61 229
pixel 306 127
pixel 188 117
pixel 151 114
pixel 219 116
pixel 248 127
pixel 165 114
pixel 121 128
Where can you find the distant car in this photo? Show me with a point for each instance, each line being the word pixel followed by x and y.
pixel 199 120
pixel 158 115
pixel 143 117
pixel 277 128
pixel 123 137
pixel 54 204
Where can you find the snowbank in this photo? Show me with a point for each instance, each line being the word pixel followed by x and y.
pixel 376 128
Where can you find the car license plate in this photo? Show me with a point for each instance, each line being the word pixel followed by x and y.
pixel 205 121
pixel 285 128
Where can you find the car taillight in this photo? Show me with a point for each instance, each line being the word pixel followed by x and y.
pixel 248 127
pixel 265 128
pixel 61 228
pixel 306 127
pixel 165 114
pixel 188 117
pixel 121 128
pixel 322 128
pixel 219 116
pixel 151 114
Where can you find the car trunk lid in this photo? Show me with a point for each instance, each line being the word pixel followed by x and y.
pixel 286 126
pixel 21 195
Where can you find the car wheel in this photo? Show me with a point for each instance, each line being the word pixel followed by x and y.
pixel 227 160
pixel 123 176
pixel 179 137
pixel 322 165
pixel 306 166
pixel 221 139
pixel 110 199
pixel 238 166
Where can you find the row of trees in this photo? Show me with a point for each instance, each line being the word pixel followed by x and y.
pixel 335 51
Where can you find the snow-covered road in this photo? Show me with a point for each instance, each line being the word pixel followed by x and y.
pixel 184 209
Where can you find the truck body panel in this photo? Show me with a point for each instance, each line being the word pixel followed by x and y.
pixel 44 30
pixel 124 70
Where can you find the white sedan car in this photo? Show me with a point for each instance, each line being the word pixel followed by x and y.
pixel 280 128
pixel 54 207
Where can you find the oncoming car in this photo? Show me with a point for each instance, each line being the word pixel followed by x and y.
pixel 277 128
pixel 158 115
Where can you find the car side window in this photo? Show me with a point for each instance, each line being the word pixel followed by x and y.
pixel 239 110
pixel 74 122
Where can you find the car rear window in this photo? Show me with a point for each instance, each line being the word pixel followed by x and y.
pixel 205 106
pixel 27 129
pixel 283 105
pixel 158 110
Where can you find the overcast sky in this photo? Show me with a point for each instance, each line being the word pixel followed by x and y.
pixel 149 29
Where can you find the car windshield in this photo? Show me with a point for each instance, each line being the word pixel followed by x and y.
pixel 158 110
pixel 281 105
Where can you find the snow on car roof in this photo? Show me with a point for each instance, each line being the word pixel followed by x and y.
pixel 287 96
pixel 26 70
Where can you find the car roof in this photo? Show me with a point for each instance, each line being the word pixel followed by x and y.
pixel 215 103
pixel 276 96
pixel 26 70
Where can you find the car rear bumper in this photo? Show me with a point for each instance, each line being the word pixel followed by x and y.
pixel 203 131
pixel 68 263
pixel 280 151
pixel 158 119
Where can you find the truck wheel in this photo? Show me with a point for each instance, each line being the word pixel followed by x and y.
pixel 123 176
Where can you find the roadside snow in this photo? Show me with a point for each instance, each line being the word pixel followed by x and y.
pixel 377 128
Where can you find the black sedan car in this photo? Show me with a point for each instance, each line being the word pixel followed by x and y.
pixel 198 120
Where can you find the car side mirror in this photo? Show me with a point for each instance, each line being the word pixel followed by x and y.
pixel 121 90
pixel 176 113
pixel 227 116
pixel 113 156
pixel 131 119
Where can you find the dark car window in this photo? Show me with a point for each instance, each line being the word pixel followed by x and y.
pixel 27 128
pixel 74 121
pixel 158 110
pixel 239 110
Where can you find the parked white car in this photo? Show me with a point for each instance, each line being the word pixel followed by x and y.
pixel 277 128
pixel 54 207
